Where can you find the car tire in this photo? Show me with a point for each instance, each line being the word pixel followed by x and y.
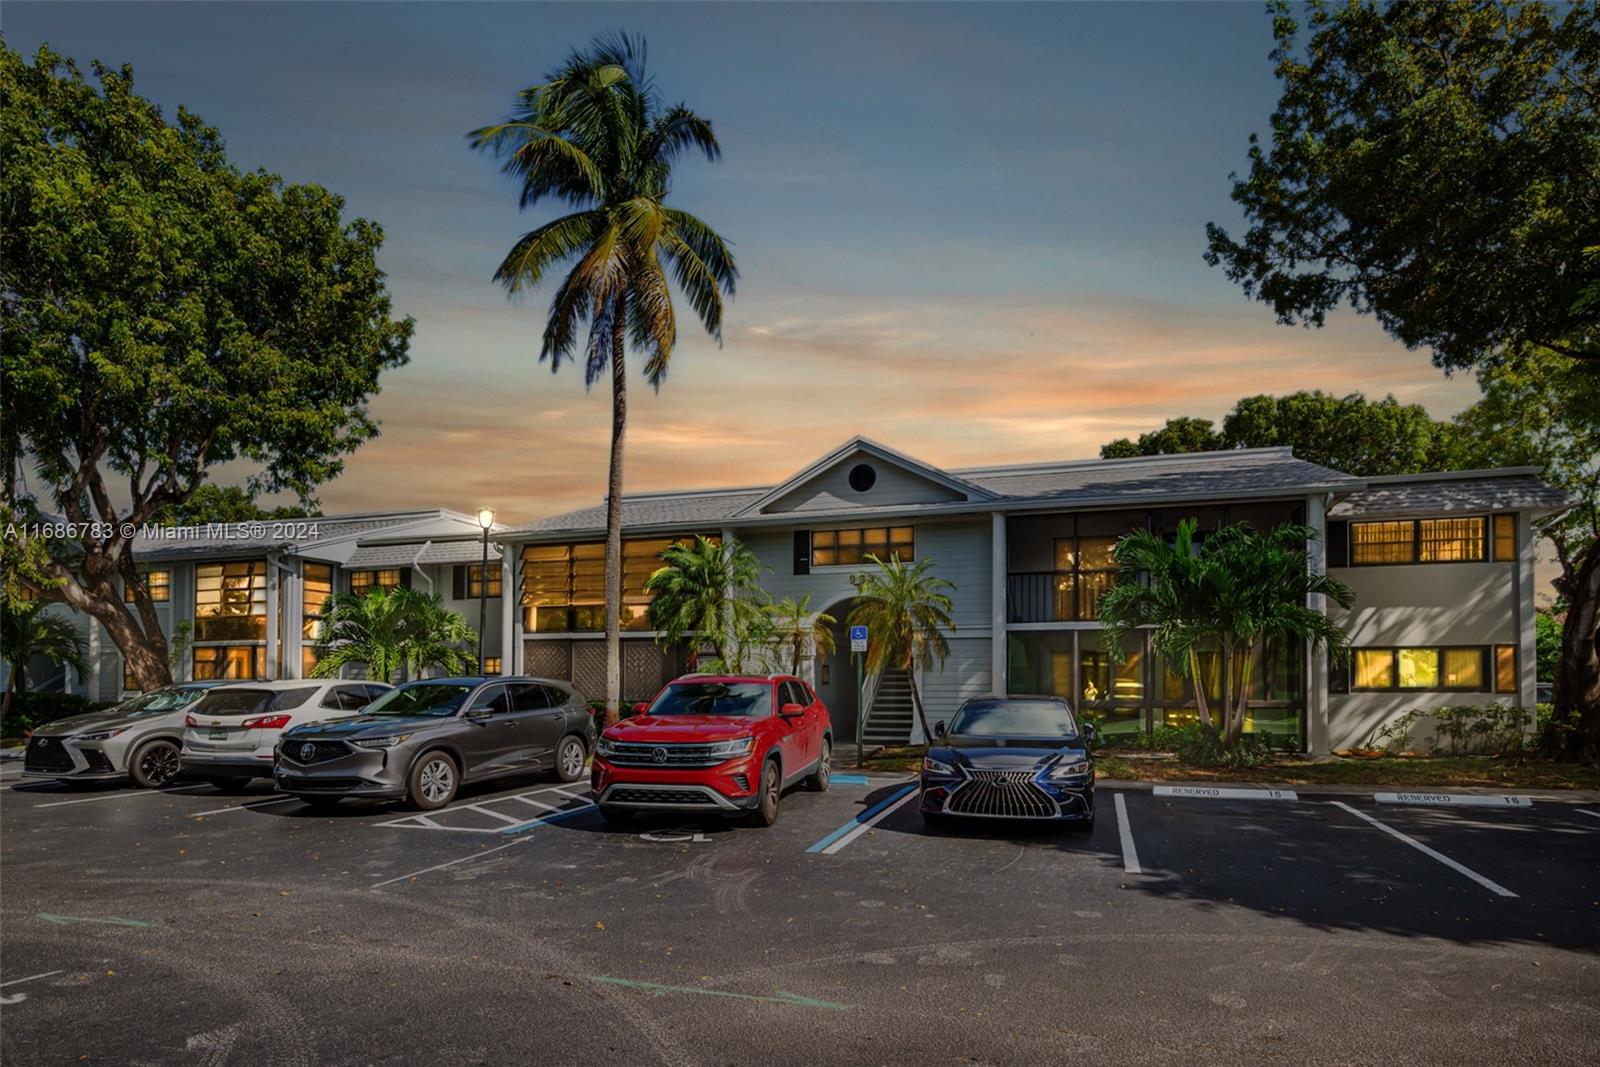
pixel 154 764
pixel 617 816
pixel 433 781
pixel 818 782
pixel 570 756
pixel 770 794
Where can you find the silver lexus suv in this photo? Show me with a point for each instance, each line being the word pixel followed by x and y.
pixel 138 739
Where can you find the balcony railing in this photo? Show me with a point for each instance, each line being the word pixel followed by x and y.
pixel 1055 596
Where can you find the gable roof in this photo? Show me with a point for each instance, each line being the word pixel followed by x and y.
pixel 216 540
pixel 859 445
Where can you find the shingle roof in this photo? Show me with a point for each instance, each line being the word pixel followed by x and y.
pixel 238 539
pixel 1099 482
pixel 404 555
pixel 1418 494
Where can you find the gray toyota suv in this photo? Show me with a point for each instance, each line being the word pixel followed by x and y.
pixel 423 740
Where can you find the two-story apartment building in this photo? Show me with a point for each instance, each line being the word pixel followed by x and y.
pixel 1442 566
pixel 1028 549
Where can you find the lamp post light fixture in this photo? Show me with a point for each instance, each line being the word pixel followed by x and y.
pixel 485 521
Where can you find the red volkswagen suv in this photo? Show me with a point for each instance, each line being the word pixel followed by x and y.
pixel 720 744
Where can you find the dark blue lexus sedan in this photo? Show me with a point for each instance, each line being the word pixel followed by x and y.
pixel 1011 758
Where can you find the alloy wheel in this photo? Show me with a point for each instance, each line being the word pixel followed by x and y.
pixel 571 759
pixel 159 764
pixel 825 765
pixel 437 781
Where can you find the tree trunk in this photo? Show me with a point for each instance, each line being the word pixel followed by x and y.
pixel 619 422
pixel 102 601
pixel 1574 732
pixel 1241 700
pixel 1201 710
pixel 916 702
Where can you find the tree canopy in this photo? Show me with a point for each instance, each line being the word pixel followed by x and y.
pixel 226 503
pixel 1436 165
pixel 165 312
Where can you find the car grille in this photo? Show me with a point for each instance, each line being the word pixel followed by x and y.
pixel 46 754
pixel 659 796
pixel 742 781
pixel 1002 795
pixel 644 755
pixel 293 751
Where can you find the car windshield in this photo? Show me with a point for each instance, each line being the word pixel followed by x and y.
pixel 434 700
pixel 234 702
pixel 1015 718
pixel 739 699
pixel 161 701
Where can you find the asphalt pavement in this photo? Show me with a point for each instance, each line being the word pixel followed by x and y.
pixel 206 927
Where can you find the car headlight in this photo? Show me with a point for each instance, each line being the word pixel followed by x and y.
pixel 379 742
pixel 604 746
pixel 933 766
pixel 100 735
pixel 1070 769
pixel 739 746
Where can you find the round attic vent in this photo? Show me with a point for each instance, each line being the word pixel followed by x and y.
pixel 863 477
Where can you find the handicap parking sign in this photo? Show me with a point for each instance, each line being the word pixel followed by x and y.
pixel 858 639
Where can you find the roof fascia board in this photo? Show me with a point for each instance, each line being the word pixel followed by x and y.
pixel 972 492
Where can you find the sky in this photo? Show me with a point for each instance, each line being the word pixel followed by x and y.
pixel 970 231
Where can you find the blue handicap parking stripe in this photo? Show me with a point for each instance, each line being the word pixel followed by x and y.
pixel 861 818
pixel 850 779
pixel 552 817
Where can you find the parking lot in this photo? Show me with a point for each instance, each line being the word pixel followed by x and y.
pixel 192 925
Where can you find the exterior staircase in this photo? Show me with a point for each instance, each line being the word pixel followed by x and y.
pixel 890 719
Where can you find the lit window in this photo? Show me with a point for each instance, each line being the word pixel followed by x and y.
pixel 831 548
pixel 1458 668
pixel 158 582
pixel 316 588
pixel 26 593
pixel 475 580
pixel 1374 668
pixel 1086 568
pixel 1505 668
pixel 1505 538
pixel 1382 542
pixel 1418 668
pixel 230 601
pixel 564 586
pixel 1463 669
pixel 491 665
pixel 130 684
pixel 364 582
pixel 229 661
pixel 1450 540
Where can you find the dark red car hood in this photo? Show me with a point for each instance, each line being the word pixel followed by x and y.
pixel 643 729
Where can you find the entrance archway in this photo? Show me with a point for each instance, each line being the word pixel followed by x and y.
pixel 836 675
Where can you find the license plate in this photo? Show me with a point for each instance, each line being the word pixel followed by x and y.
pixel 218 735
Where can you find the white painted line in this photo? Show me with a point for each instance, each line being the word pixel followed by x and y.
pixel 567 792
pixel 493 814
pixel 867 824
pixel 1494 887
pixel 243 807
pixel 536 803
pixel 30 978
pixel 120 795
pixel 1211 792
pixel 452 863
pixel 1454 800
pixel 1130 855
pixel 1586 811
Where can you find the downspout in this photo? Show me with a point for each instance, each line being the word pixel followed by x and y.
pixel 416 565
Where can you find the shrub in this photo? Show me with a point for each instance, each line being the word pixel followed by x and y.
pixel 29 711
pixel 1201 746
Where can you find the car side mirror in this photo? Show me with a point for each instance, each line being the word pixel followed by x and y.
pixel 1090 734
pixel 939 729
pixel 640 708
pixel 792 711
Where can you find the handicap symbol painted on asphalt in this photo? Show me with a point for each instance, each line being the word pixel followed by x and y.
pixel 677 836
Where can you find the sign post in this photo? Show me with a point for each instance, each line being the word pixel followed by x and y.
pixel 858 650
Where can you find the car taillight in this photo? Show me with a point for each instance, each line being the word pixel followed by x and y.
pixel 188 720
pixel 267 722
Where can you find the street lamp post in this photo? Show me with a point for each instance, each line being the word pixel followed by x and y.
pixel 485 520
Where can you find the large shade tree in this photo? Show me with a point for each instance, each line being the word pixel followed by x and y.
pixel 597 137
pixel 164 312
pixel 1435 165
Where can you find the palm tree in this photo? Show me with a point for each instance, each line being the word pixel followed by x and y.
pixel 794 624
pixel 28 630
pixel 596 136
pixel 712 590
pixel 390 630
pixel 1240 590
pixel 907 613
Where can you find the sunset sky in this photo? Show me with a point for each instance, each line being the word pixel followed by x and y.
pixel 971 232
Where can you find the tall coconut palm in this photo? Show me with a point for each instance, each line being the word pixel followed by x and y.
pixel 712 590
pixel 596 136
pixel 795 625
pixel 907 613
pixel 28 630
pixel 392 630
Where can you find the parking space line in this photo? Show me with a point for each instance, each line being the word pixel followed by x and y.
pixel 119 795
pixel 1492 886
pixel 30 978
pixel 863 822
pixel 1130 855
pixel 535 803
pixel 1586 811
pixel 558 814
pixel 493 814
pixel 567 792
pixel 247 805
pixel 450 863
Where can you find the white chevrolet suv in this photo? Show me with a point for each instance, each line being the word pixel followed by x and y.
pixel 230 733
